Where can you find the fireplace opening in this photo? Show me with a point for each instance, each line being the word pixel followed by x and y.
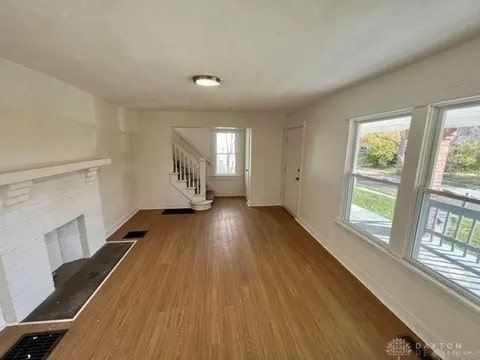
pixel 67 250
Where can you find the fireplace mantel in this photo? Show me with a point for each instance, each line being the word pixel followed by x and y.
pixel 29 174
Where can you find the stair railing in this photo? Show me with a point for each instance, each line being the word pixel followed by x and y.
pixel 187 145
pixel 189 168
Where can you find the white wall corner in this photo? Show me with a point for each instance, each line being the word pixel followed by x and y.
pixel 120 222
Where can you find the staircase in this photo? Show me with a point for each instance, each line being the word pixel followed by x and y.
pixel 189 175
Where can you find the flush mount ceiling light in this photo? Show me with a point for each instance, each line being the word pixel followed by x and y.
pixel 207 80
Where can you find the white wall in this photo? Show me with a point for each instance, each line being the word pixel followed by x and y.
pixel 429 311
pixel 114 139
pixel 153 152
pixel 43 121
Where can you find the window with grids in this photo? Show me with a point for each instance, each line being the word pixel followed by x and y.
pixel 447 240
pixel 225 153
pixel 376 165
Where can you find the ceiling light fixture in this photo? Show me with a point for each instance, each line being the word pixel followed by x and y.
pixel 206 80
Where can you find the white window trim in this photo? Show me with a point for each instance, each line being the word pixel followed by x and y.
pixel 416 173
pixel 214 156
pixel 350 165
pixel 426 162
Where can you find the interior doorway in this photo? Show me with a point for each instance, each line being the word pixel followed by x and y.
pixel 292 169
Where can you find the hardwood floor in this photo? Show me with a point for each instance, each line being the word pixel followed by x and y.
pixel 229 283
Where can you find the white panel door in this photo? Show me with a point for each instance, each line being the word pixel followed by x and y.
pixel 293 161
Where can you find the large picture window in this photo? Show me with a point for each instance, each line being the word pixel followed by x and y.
pixel 374 174
pixel 447 240
pixel 226 153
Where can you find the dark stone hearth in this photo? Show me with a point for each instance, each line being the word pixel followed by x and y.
pixel 73 293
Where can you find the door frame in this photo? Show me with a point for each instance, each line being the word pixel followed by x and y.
pixel 247 160
pixel 284 164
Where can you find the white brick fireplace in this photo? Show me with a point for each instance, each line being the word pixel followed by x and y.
pixel 48 216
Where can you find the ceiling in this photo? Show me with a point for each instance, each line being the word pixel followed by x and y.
pixel 271 54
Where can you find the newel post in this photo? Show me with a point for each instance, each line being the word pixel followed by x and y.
pixel 203 176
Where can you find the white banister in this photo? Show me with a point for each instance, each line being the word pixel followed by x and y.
pixel 174 148
pixel 190 169
pixel 198 179
pixel 189 172
pixel 182 171
pixel 182 165
pixel 203 176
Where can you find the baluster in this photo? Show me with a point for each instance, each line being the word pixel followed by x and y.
pixel 193 179
pixel 433 223
pixel 185 169
pixel 182 165
pixel 189 172
pixel 179 164
pixel 447 218
pixel 193 173
pixel 471 233
pixel 198 180
pixel 175 169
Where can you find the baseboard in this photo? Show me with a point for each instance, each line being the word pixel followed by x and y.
pixel 254 203
pixel 419 328
pixel 163 207
pixel 228 194
pixel 118 224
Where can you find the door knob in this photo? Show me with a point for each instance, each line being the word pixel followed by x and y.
pixel 297 178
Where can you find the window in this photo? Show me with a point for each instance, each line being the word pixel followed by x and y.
pixel 225 153
pixel 447 240
pixel 374 175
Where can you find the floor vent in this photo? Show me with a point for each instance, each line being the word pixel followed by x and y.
pixel 35 346
pixel 420 350
pixel 135 234
pixel 178 211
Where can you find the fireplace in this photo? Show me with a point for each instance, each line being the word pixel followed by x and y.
pixel 67 243
pixel 48 216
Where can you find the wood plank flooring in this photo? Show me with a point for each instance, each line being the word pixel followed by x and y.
pixel 229 283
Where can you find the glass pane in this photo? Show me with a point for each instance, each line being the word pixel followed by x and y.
pixel 448 240
pixel 226 164
pixel 381 148
pixel 457 165
pixel 225 142
pixel 372 207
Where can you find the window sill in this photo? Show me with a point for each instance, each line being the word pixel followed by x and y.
pixel 226 177
pixel 465 299
pixel 363 235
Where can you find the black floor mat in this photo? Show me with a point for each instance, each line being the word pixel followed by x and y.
pixel 135 234
pixel 34 346
pixel 69 298
pixel 178 211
